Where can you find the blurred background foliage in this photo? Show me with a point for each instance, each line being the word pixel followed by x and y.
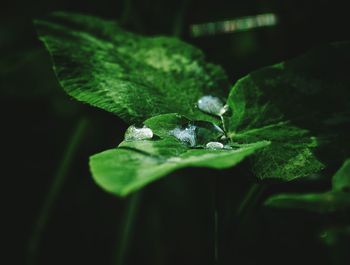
pixel 175 220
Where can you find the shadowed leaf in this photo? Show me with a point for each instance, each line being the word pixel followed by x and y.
pixel 337 199
pixel 311 92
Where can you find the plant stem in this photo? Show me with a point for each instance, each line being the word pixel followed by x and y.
pixel 179 18
pixel 127 8
pixel 126 230
pixel 54 190
pixel 216 218
pixel 250 198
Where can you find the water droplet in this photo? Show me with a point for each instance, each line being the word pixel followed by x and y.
pixel 212 105
pixel 214 145
pixel 186 135
pixel 174 159
pixel 133 133
pixel 197 133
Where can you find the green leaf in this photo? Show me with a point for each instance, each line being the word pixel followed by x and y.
pixel 337 199
pixel 137 78
pixel 310 92
pixel 341 180
pixel 326 202
pixel 133 76
pixel 256 118
pixel 337 236
pixel 136 163
pixel 163 124
pixel 290 155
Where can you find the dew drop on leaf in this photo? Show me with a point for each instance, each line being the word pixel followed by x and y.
pixel 133 133
pixel 186 135
pixel 174 160
pixel 214 145
pixel 212 105
pixel 197 133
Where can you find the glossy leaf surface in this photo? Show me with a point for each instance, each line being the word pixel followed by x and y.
pixel 136 163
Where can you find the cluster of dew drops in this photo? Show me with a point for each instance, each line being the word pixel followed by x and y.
pixel 189 134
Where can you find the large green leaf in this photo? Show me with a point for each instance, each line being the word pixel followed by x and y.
pixel 337 199
pixel 139 78
pixel 255 118
pixel 136 163
pixel 133 76
pixel 311 91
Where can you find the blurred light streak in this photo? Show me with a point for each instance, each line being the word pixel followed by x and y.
pixel 234 25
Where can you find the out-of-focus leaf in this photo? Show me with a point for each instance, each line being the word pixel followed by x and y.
pixel 341 180
pixel 337 199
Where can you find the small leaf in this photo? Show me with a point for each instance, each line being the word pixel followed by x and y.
pixel 341 180
pixel 337 199
pixel 133 76
pixel 326 202
pixel 165 125
pixel 338 237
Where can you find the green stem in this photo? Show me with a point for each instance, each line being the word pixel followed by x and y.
pixel 127 224
pixel 54 191
pixel 216 219
pixel 179 18
pixel 250 199
pixel 127 8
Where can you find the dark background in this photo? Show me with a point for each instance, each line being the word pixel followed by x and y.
pixel 175 220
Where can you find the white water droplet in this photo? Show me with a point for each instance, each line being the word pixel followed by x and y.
pixel 186 135
pixel 212 105
pixel 174 159
pixel 133 133
pixel 214 145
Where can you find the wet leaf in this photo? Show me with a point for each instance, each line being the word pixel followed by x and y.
pixel 145 79
pixel 136 163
